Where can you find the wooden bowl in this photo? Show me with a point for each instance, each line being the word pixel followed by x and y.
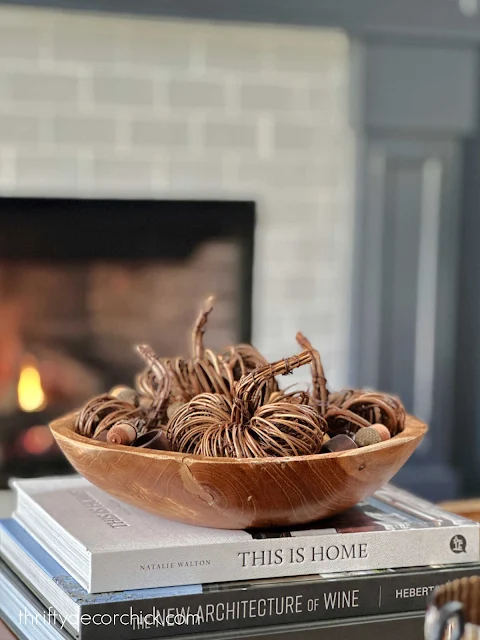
pixel 230 493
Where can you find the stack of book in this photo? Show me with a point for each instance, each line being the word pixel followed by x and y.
pixel 75 562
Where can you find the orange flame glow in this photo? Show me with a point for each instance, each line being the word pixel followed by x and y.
pixel 31 396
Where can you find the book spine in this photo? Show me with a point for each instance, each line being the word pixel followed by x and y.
pixel 269 605
pixel 281 557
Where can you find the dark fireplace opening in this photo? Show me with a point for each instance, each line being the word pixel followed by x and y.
pixel 83 281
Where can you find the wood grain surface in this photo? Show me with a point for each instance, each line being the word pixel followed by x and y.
pixel 468 508
pixel 237 493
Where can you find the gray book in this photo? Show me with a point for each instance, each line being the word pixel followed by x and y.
pixel 29 619
pixel 107 545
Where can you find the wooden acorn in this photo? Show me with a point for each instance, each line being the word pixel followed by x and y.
pixel 124 393
pixel 122 432
pixel 367 436
pixel 242 427
pixel 382 430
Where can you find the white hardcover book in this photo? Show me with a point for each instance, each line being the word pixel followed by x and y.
pixel 107 545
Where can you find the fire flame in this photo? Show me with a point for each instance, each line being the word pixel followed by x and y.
pixel 31 396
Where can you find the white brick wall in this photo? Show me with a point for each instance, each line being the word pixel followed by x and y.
pixel 102 105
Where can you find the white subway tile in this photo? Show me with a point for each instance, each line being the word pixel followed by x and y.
pixel 170 108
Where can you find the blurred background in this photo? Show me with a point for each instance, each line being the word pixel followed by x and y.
pixel 315 165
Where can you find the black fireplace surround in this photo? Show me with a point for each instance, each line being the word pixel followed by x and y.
pixel 83 280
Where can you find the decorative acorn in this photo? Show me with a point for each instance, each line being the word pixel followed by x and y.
pixel 367 436
pixel 382 430
pixel 127 394
pixel 243 427
pixel 123 432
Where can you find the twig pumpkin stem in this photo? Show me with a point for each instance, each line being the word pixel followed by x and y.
pixel 198 349
pixel 319 382
pixel 161 394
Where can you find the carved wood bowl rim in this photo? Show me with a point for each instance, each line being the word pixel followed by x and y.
pixel 63 427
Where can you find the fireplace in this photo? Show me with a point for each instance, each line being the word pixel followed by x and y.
pixel 82 281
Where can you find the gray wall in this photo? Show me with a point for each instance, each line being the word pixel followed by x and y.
pixel 416 107
pixel 425 18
